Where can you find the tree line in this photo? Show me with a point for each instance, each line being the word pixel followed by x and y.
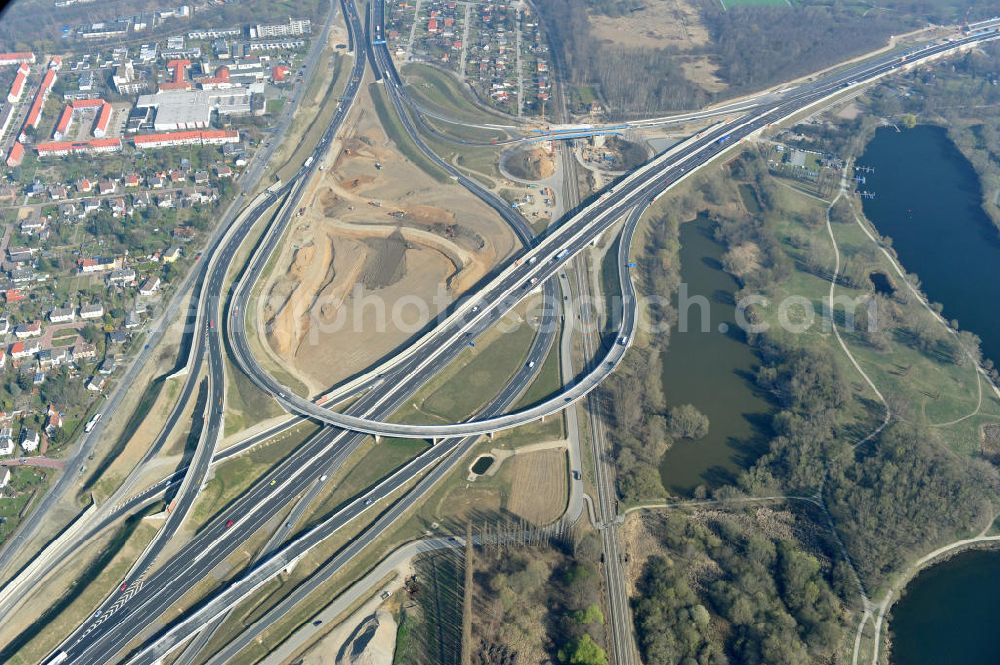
pixel 753 46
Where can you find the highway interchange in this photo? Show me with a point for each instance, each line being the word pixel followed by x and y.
pixel 93 631
pixel 190 364
pixel 127 616
pixel 540 262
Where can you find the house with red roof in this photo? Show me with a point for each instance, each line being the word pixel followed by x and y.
pixel 220 81
pixel 62 148
pixel 16 58
pixel 17 87
pixel 279 73
pixel 101 121
pixel 193 137
pixel 16 155
pixel 35 113
pixel 177 69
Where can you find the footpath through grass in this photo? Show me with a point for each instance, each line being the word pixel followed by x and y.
pixel 936 390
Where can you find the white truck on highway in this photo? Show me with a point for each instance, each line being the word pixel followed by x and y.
pixel 92 423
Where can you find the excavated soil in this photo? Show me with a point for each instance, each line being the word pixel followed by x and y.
pixel 379 247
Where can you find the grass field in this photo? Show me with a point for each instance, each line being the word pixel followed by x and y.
pixel 378 461
pixel 943 394
pixel 435 89
pixel 546 383
pixel 472 379
pixel 394 129
pixel 538 489
pixel 480 377
pixel 539 430
pixel 274 106
pixel 246 404
pixel 443 92
pixel 939 393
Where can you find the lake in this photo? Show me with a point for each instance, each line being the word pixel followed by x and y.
pixel 928 200
pixel 713 371
pixel 949 613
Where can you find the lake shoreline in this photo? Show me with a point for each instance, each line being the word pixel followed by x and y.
pixel 900 587
pixel 931 207
pixel 938 228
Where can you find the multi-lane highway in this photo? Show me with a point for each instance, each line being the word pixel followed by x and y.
pixel 101 640
pixel 192 284
pixel 93 631
pixel 207 335
pixel 540 262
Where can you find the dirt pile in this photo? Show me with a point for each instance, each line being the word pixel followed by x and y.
pixel 386 263
pixel 379 241
pixel 529 164
pixel 310 267
pixel 371 642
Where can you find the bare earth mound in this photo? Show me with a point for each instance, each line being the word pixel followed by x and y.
pixel 386 263
pixel 529 164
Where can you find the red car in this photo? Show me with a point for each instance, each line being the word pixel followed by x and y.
pixel 123 587
pixel 229 523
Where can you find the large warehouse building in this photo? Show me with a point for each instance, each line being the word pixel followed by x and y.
pixel 192 109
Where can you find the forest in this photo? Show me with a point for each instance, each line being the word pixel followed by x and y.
pixel 631 81
pixel 757 47
pixel 540 604
pixel 891 500
pixel 753 47
pixel 783 596
pixel 738 587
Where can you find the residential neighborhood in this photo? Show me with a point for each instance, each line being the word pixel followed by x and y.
pixel 119 149
pixel 498 48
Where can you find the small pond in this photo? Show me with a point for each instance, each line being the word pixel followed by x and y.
pixel 482 465
pixel 883 285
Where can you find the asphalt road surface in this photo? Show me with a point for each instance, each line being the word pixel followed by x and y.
pixel 101 641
